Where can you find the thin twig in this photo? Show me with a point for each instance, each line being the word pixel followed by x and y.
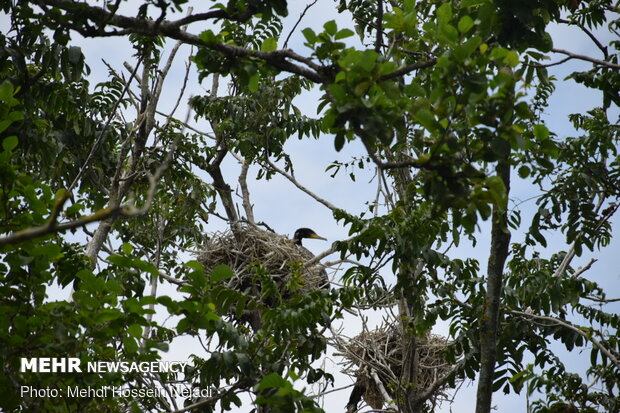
pixel 301 16
pixel 300 186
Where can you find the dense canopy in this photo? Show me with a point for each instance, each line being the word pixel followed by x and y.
pixel 464 155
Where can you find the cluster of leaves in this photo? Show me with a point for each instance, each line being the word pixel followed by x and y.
pixel 453 122
pixel 257 123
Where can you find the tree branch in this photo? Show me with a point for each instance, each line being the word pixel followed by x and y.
pixel 587 336
pixel 173 30
pixel 408 69
pixel 379 20
pixel 489 322
pixel 93 149
pixel 590 35
pixel 437 384
pixel 245 193
pixel 586 58
pixel 300 186
pixel 301 16
pixel 120 211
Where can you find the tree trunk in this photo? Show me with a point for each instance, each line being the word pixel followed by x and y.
pixel 489 324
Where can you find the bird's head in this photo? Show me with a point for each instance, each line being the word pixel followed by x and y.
pixel 302 233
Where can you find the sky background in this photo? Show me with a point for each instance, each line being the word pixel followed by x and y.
pixel 285 208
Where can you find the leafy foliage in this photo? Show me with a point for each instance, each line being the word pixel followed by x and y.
pixel 448 100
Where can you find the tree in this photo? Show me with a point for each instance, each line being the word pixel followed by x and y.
pixel 447 98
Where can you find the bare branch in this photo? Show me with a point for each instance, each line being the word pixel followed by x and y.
pixel 300 186
pixel 245 193
pixel 379 28
pixel 584 268
pixel 437 384
pixel 377 380
pixel 586 58
pixel 603 300
pixel 275 58
pixel 124 211
pixel 559 62
pixel 571 252
pixel 389 165
pixel 301 16
pixel 590 35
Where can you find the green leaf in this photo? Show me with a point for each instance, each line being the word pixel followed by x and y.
pixel 343 34
pixel 310 35
pixel 331 28
pixel 524 171
pixel 127 248
pixel 463 51
pixel 222 272
pixel 209 37
pixel 541 132
pixel 500 146
pixel 6 94
pixel 472 3
pixel 253 83
pixel 339 142
pixel 74 209
pixel 426 118
pixel 183 325
pixel 444 12
pixel 465 24
pixel 270 381
pixel 512 58
pixel 10 118
pixel 131 346
pixel 10 143
pixel 195 265
pixel 497 189
pixel 270 44
pixel 499 53
pixel 338 91
pixel 120 260
pixel 449 32
pixel 135 330
pixel 368 59
pixel 106 315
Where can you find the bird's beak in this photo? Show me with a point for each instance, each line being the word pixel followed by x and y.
pixel 316 236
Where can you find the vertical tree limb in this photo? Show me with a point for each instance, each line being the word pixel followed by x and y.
pixel 245 193
pixel 489 324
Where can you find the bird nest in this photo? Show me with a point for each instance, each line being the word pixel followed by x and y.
pixel 248 249
pixel 375 358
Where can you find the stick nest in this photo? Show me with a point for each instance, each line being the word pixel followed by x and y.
pixel 247 247
pixel 380 351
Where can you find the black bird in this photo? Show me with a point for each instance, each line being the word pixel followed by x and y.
pixel 302 233
pixel 356 395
